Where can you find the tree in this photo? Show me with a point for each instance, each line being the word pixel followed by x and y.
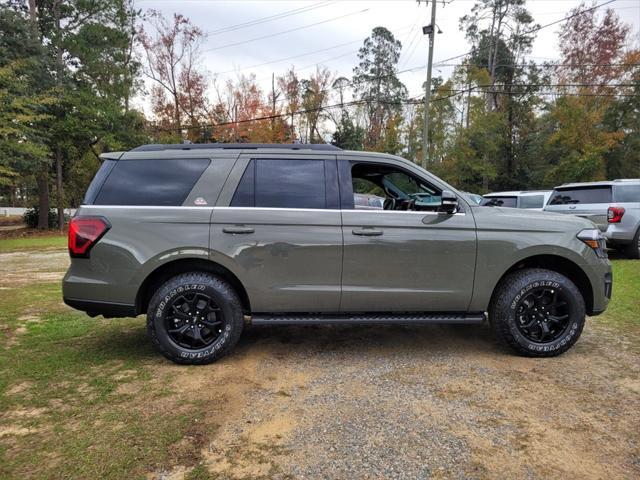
pixel 315 93
pixel 171 55
pixel 348 135
pixel 290 86
pixel 377 85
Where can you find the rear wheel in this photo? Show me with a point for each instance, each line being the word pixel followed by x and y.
pixel 633 249
pixel 194 318
pixel 537 312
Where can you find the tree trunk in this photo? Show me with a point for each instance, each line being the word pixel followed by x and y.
pixel 59 189
pixel 43 203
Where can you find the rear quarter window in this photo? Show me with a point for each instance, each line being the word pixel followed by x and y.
pixel 581 195
pixel 150 182
pixel 627 193
pixel 510 202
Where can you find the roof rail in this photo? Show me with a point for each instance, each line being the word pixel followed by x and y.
pixel 627 180
pixel 156 147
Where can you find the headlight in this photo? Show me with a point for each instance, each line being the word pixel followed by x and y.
pixel 594 239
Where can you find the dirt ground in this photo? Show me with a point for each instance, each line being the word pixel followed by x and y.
pixel 396 402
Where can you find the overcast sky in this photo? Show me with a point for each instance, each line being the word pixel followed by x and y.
pixel 341 28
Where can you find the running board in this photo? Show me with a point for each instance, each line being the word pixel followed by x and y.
pixel 369 319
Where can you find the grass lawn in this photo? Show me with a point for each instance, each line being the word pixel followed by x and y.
pixel 32 243
pixel 89 398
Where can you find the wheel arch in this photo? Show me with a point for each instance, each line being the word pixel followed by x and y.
pixel 170 269
pixel 558 264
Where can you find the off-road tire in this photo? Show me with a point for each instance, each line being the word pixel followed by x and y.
pixel 503 315
pixel 633 249
pixel 212 286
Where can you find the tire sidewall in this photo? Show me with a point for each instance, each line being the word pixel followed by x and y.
pixel 163 300
pixel 576 313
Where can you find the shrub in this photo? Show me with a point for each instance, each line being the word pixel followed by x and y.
pixel 32 214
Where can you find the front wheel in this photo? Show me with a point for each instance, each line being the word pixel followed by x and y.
pixel 194 318
pixel 537 312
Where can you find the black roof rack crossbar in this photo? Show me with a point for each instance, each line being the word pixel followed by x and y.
pixel 156 147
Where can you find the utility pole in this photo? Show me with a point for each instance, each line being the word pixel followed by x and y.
pixel 428 30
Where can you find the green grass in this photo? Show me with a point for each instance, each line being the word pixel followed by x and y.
pixel 624 308
pixel 32 243
pixel 108 408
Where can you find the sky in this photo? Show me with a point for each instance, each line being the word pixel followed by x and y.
pixel 264 46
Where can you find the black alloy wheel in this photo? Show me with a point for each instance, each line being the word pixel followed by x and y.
pixel 194 321
pixel 543 314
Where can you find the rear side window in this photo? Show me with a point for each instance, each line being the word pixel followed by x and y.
pixel 531 201
pixel 627 193
pixel 510 202
pixel 581 195
pixel 279 183
pixel 150 182
pixel 102 173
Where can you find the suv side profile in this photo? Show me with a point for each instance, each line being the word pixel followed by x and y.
pixel 207 238
pixel 614 206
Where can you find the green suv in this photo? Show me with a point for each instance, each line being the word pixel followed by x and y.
pixel 208 238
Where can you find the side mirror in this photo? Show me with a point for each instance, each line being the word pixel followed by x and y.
pixel 449 202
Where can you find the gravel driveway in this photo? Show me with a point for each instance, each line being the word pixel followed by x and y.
pixel 406 403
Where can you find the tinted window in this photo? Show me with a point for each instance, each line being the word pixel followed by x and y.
pixel 282 184
pixel 151 182
pixel 581 195
pixel 98 180
pixel 531 201
pixel 500 202
pixel 627 193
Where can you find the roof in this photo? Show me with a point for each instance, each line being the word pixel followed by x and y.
pixel 156 147
pixel 515 193
pixel 606 183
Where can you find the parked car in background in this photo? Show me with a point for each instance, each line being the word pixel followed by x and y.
pixel 614 206
pixel 530 200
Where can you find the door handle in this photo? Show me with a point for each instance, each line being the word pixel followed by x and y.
pixel 238 229
pixel 367 232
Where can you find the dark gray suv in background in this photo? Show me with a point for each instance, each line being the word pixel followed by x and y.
pixel 207 238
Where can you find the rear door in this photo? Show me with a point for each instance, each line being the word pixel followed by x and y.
pixel 277 226
pixel 398 259
pixel 590 202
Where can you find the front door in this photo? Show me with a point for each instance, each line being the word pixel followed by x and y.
pixel 405 256
pixel 277 227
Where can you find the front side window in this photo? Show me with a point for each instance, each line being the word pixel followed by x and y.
pixel 572 196
pixel 164 182
pixel 276 183
pixel 390 188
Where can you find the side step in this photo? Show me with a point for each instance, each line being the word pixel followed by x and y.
pixel 368 319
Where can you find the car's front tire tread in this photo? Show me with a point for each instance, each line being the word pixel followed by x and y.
pixel 502 314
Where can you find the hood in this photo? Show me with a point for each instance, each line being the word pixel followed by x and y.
pixel 516 219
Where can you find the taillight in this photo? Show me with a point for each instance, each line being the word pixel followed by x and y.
pixel 614 214
pixel 84 232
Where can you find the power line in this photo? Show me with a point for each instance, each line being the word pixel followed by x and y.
pixel 228 45
pixel 279 60
pixel 410 101
pixel 536 29
pixel 270 18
